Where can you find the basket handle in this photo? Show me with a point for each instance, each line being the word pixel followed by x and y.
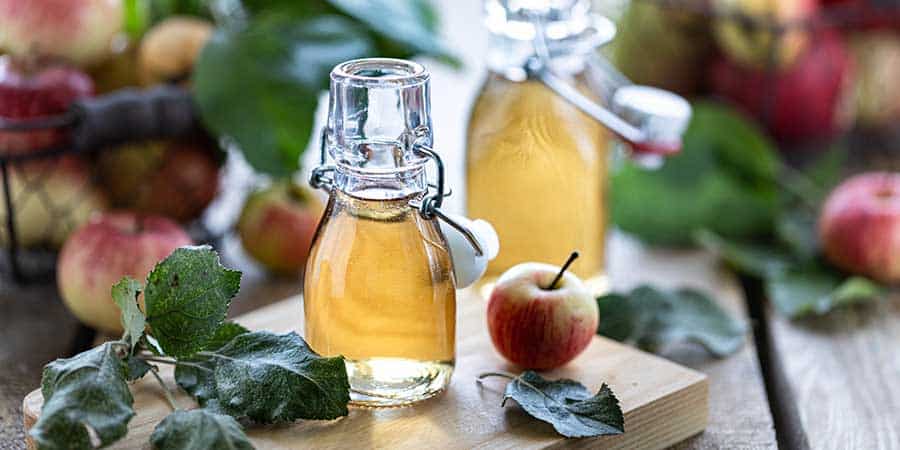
pixel 131 114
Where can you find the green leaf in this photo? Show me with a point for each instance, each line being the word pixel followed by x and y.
pixel 195 374
pixel 125 294
pixel 187 297
pixel 815 289
pixel 795 227
pixel 726 165
pixel 652 318
pixel 260 85
pixel 407 26
pixel 755 259
pixel 136 367
pixel 567 405
pixel 87 403
pixel 277 378
pixel 199 429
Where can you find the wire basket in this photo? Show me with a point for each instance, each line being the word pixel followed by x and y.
pixel 111 145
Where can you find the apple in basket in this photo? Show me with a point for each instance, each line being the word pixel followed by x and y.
pixel 99 254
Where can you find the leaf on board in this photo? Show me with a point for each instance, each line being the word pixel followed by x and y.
pixel 87 403
pixel 567 405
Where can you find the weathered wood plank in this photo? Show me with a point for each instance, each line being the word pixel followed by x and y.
pixel 739 411
pixel 841 370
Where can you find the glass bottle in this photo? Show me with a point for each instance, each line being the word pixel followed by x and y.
pixel 379 286
pixel 536 164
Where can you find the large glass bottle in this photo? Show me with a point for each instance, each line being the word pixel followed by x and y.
pixel 536 164
pixel 379 286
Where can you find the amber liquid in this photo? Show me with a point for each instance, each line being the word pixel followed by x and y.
pixel 379 291
pixel 536 169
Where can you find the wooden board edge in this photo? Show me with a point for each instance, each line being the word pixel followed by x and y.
pixel 31 405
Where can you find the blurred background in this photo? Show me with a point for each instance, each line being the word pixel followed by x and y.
pixel 206 114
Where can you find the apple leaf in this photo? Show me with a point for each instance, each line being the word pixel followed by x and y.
pixel 565 404
pixel 87 403
pixel 198 429
pixel 260 85
pixel 815 289
pixel 195 374
pixel 136 367
pixel 277 378
pixel 651 318
pixel 187 297
pixel 403 27
pixel 726 165
pixel 125 293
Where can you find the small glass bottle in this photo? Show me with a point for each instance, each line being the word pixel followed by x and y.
pixel 379 286
pixel 536 164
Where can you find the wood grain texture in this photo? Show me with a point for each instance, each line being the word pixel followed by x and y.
pixel 842 372
pixel 739 410
pixel 35 328
pixel 664 402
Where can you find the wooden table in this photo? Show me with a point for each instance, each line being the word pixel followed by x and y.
pixel 831 382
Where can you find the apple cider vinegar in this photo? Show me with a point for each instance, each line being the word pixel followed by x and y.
pixel 380 288
pixel 382 295
pixel 536 169
pixel 536 164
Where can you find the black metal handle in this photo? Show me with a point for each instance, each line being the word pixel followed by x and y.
pixel 131 114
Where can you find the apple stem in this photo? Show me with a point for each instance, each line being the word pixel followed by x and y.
pixel 562 270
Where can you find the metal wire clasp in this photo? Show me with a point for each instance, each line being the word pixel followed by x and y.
pixel 431 204
pixel 322 177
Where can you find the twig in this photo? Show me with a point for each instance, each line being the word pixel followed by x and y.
pixel 165 389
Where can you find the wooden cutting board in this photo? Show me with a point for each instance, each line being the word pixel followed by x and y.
pixel 664 402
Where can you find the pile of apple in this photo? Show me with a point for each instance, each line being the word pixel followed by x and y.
pixel 118 211
pixel 808 68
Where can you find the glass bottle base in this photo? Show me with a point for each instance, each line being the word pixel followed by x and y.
pixel 395 382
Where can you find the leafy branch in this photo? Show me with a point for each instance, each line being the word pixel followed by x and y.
pixel 231 372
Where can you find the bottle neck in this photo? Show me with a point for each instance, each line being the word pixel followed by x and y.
pixel 571 34
pixel 381 185
pixel 507 57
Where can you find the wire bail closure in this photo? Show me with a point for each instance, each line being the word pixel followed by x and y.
pixel 632 116
pixel 322 177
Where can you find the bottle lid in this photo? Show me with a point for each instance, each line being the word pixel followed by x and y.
pixel 570 31
pixel 661 115
pixel 468 265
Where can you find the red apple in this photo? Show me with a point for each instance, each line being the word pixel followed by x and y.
pixel 30 94
pixel 859 226
pixel 539 328
pixel 277 226
pixel 111 246
pixel 51 198
pixel 812 99
pixel 78 31
pixel 754 43
pixel 172 178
